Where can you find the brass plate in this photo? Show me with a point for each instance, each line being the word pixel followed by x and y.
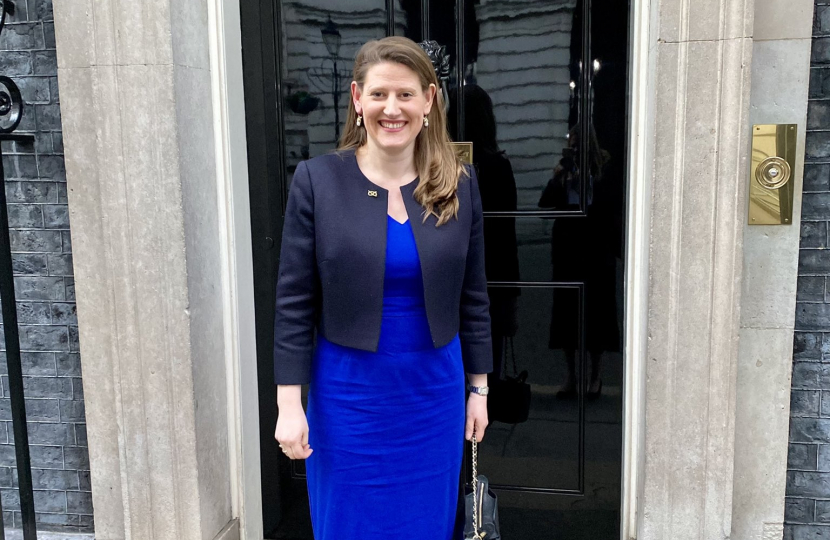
pixel 464 151
pixel 771 182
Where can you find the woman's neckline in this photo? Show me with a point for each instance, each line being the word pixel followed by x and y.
pixel 360 172
pixel 401 223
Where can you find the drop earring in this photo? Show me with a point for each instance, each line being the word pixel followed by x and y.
pixel 426 121
pixel 359 120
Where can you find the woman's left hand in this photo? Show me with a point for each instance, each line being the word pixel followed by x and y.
pixel 476 416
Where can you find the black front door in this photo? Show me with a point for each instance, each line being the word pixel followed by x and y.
pixel 543 103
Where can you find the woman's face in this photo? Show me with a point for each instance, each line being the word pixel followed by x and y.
pixel 393 105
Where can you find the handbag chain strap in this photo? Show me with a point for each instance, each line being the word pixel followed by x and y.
pixel 476 535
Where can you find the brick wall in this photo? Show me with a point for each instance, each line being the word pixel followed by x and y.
pixel 807 513
pixel 44 286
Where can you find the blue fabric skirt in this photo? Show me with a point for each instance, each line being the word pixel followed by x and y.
pixel 387 427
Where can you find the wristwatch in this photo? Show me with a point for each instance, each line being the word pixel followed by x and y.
pixel 480 390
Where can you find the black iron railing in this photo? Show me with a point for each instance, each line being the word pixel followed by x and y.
pixel 11 112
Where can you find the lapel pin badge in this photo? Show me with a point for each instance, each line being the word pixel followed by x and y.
pixel 373 193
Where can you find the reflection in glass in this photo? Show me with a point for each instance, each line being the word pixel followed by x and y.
pixel 547 138
pixel 580 251
pixel 408 19
pixel 498 194
pixel 542 452
pixel 527 59
pixel 320 40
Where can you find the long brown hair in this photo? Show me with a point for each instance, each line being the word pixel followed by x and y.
pixel 437 163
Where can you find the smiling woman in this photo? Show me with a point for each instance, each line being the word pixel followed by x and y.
pixel 401 299
pixel 393 107
pixel 397 125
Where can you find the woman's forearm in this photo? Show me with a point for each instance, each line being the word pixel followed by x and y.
pixel 289 396
pixel 477 379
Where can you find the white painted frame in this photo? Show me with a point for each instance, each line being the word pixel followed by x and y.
pixel 225 43
pixel 641 76
pixel 232 185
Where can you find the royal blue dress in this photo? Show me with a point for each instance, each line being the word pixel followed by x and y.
pixel 387 427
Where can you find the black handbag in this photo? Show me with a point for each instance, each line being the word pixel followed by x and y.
pixel 509 398
pixel 481 511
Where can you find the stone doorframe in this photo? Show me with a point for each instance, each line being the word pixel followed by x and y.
pixel 688 114
pixel 158 199
pixel 690 88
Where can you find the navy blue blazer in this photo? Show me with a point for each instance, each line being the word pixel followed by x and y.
pixel 333 258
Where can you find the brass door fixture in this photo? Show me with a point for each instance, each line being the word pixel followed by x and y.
pixel 771 184
pixel 464 151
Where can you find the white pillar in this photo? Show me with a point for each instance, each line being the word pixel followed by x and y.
pixel 135 86
pixel 701 53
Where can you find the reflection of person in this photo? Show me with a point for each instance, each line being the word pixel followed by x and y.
pixel 386 235
pixel 579 252
pixel 498 194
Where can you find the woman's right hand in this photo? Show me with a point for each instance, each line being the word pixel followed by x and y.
pixel 292 432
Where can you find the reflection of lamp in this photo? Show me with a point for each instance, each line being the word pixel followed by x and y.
pixel 330 80
pixel 596 66
pixel 331 37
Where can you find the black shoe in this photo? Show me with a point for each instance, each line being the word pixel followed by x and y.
pixel 594 395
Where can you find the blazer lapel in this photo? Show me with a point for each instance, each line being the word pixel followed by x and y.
pixel 425 237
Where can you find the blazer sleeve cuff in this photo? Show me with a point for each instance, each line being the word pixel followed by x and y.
pixel 292 367
pixel 478 357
